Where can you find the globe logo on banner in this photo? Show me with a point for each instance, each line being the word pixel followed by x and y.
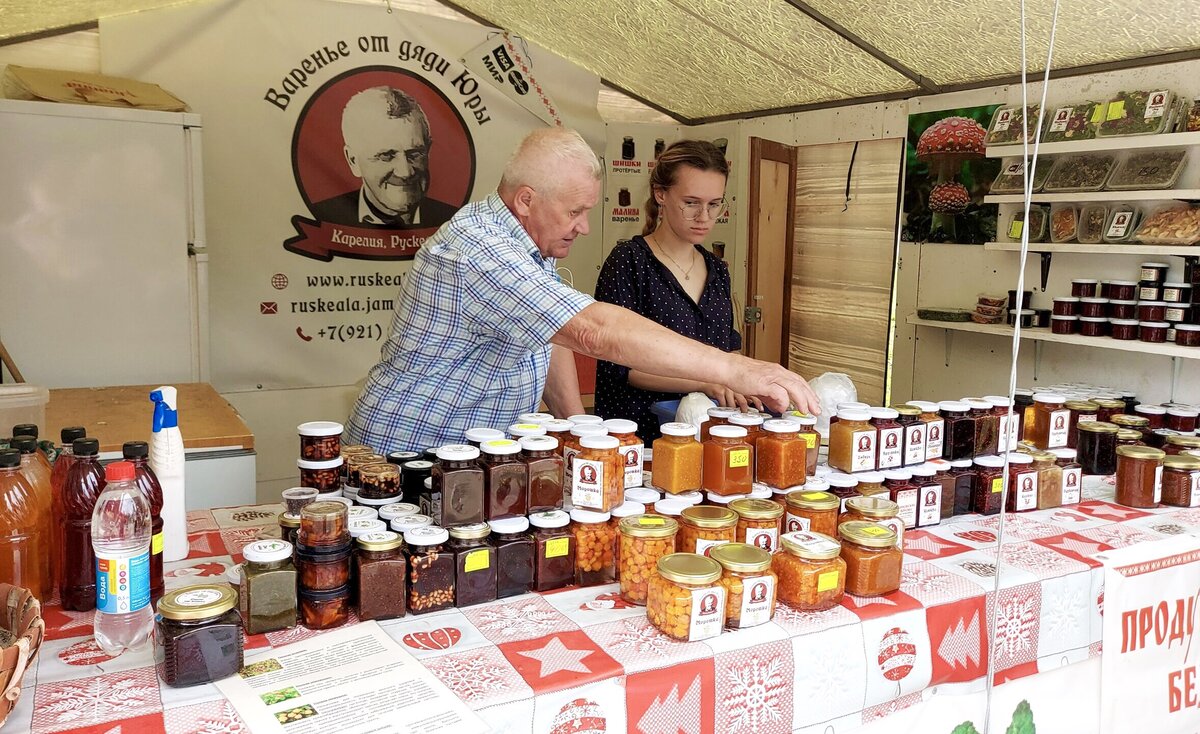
pixel 381 158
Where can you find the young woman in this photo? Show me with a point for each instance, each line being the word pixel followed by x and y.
pixel 667 276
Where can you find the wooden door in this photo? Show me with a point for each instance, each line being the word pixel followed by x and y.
pixel 843 264
pixel 768 259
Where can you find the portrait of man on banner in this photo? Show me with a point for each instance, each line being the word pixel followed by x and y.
pixel 386 143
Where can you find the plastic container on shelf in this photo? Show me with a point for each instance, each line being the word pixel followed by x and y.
pixel 1080 172
pixel 1123 220
pixel 1092 218
pixel 23 404
pixel 1175 224
pixel 1074 122
pixel 1039 217
pixel 1009 125
pixel 1137 112
pixel 1011 179
pixel 1153 168
pixel 1064 223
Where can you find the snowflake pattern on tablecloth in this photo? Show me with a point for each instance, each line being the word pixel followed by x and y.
pixel 1016 624
pixel 639 636
pixel 1060 613
pixel 471 676
pixel 1116 535
pixel 88 701
pixel 1016 526
pixel 882 711
pixel 1039 560
pixel 796 622
pixel 1189 516
pixel 213 717
pixel 919 577
pixel 519 620
pixel 1168 528
pixel 756 694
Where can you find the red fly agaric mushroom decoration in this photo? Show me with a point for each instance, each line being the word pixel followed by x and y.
pixel 945 146
pixel 950 197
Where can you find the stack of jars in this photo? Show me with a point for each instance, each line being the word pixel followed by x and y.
pixel 1151 309
pixel 322 461
pixel 322 557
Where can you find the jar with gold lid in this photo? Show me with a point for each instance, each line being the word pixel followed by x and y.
pixel 1096 444
pixel 909 418
pixel 879 510
pixel 1176 445
pixel 1139 476
pixel 685 600
pixel 703 526
pixel 1181 481
pixel 759 522
pixel 873 562
pixel 811 572
pixel 644 540
pixel 197 635
pixel 1050 480
pixel 1082 411
pixel 750 584
pixel 812 511
pixel 1129 437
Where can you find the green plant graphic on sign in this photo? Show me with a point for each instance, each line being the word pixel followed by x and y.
pixel 1022 722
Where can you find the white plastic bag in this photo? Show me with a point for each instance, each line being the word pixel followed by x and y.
pixel 832 388
pixel 693 408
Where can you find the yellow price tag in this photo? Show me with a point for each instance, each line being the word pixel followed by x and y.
pixel 739 457
pixel 647 521
pixel 827 581
pixel 1098 113
pixel 997 485
pixel 156 544
pixel 813 495
pixel 1116 110
pixel 480 559
pixel 811 440
pixel 1014 229
pixel 875 530
pixel 558 547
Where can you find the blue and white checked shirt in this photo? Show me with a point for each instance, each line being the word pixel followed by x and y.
pixel 470 340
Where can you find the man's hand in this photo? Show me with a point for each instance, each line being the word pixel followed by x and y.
pixel 777 388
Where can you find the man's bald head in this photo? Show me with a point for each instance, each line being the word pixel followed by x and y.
pixel 545 158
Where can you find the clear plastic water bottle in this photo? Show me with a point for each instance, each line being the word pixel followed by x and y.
pixel 121 528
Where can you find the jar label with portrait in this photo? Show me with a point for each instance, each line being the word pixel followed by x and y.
pixel 934 435
pixel 757 594
pixel 1005 434
pixel 891 449
pixel 914 444
pixel 897 526
pixel 765 538
pixel 930 511
pixel 703 544
pixel 862 451
pixel 587 484
pixel 1060 420
pixel 1025 485
pixel 708 613
pixel 796 522
pixel 631 457
pixel 1072 486
pixel 907 500
pixel 1158 484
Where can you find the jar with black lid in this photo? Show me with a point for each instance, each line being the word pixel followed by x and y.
pixel 197 635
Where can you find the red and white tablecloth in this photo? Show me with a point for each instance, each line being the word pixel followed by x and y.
pixel 580 660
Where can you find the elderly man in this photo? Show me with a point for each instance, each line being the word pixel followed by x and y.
pixel 387 145
pixel 484 328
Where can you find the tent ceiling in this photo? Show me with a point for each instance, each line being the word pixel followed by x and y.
pixel 723 58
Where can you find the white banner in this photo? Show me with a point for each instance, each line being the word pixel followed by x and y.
pixel 1150 680
pixel 337 137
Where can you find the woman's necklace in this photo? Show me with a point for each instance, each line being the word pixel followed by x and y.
pixel 687 274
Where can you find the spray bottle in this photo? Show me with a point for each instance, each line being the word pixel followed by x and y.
pixel 167 460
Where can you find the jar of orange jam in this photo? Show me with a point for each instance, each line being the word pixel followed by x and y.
pixel 759 522
pixel 678 457
pixel 597 474
pixel 716 417
pixel 728 461
pixel 852 442
pixel 811 572
pixel 619 513
pixel 703 526
pixel 752 422
pixel 812 440
pixel 686 602
pixel 879 510
pixel 749 582
pixel 813 511
pixel 873 562
pixel 644 540
pixel 571 446
pixel 631 449
pixel 781 456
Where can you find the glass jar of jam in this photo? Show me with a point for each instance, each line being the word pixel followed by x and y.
pixel 381 570
pixel 877 510
pixel 323 476
pixel 289 526
pixel 1051 421
pixel 913 438
pixel 519 431
pixel 963 475
pixel 559 430
pixel 322 568
pixel 903 492
pixel 267 587
pixel 852 441
pixel 544 469
pixel 505 481
pixel 1188 335
pixel 457 491
pixel 844 486
pixel 572 447
pixel 959 430
pixel 1072 475
pixel 988 485
pixel 1023 411
pixel 619 513
pixel 1139 476
pixel 1182 419
pixel 474 564
pixel 404 523
pixel 1050 480
pixel 400 458
pixel 1129 437
pixel 945 482
pixel 1158 437
pixel 759 522
pixel 812 511
pixel 1124 329
pixel 594 540
pixel 476 436
pixel 630 449
pixel 685 601
pixel 539 419
pixel 1106 408
pixel 1064 324
pixel 987 426
pixel 781 455
pixel 1022 483
pixel 1082 411
pixel 678 457
pixel 752 422
pixel 928 509
pixel 514 556
pixel 1155 414
pixel 412 479
pixel 716 417
pixel 703 526
pixel 750 584
pixel 350 450
pixel 355 464
pixel 554 554
pixel 321 610
pixel 295 498
pixel 1175 445
pixel 1137 423
pixel 1084 288
pixel 728 461
pixel 1097 447
pixel 431 570
pixel 379 481
pixel 889 437
pixel 1181 481
pixel 644 540
pixel 597 474
pixel 810 571
pixel 323 524
pixel 873 562
pixel 197 635
pixel 1006 427
pixel 812 441
pixel 870 482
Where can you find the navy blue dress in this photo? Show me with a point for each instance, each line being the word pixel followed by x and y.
pixel 632 277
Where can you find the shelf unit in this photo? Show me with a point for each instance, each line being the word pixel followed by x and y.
pixel 1129 142
pixel 1074 248
pixel 1039 337
pixel 1142 195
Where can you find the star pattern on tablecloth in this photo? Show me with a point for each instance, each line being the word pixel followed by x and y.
pixel 866 601
pixel 1106 511
pixel 555 657
pixel 1084 548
